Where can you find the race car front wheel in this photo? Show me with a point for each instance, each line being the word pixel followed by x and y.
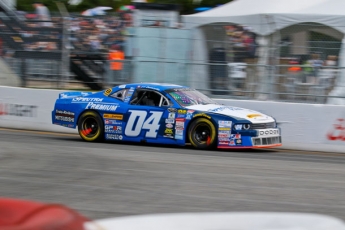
pixel 90 126
pixel 202 134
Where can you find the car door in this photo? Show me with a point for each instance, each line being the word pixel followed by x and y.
pixel 150 117
pixel 115 121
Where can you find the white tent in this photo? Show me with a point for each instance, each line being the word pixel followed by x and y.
pixel 266 17
pixel 261 14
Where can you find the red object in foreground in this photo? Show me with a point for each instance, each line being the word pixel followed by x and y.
pixel 29 215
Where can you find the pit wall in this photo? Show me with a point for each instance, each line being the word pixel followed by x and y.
pixel 304 126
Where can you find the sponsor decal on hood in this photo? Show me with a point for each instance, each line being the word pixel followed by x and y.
pixel 236 112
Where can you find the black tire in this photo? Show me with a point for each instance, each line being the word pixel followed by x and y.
pixel 202 134
pixel 90 126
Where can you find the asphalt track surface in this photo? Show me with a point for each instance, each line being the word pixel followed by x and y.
pixel 103 180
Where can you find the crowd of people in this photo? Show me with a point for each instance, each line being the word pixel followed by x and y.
pixel 88 34
pixel 99 34
pixel 309 70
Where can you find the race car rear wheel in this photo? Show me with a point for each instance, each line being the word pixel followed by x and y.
pixel 90 126
pixel 202 133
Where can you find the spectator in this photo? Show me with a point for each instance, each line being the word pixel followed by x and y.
pixel 249 44
pixel 116 58
pixel 316 63
pixel 94 43
pixel 295 70
pixel 238 46
pixel 331 69
pixel 331 60
pixel 243 42
pixel 43 14
pixel 294 66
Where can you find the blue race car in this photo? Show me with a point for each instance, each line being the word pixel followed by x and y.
pixel 164 114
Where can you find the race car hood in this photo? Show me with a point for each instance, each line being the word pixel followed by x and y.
pixel 236 112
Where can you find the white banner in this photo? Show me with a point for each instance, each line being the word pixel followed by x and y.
pixel 304 126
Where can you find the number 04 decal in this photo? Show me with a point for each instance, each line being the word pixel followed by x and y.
pixel 151 123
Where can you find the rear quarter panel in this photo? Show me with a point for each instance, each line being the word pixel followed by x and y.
pixel 67 110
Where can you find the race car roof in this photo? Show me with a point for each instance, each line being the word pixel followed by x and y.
pixel 149 85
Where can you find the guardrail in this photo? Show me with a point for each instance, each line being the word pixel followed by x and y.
pixel 304 126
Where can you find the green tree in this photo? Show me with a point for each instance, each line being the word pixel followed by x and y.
pixel 87 4
pixel 213 3
pixel 188 6
pixel 26 5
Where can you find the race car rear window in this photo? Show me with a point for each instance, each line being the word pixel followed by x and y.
pixel 121 94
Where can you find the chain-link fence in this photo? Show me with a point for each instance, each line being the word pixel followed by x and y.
pixel 298 66
pixel 223 61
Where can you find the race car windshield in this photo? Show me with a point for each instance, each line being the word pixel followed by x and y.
pixel 187 97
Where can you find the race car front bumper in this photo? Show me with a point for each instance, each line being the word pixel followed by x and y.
pixel 264 138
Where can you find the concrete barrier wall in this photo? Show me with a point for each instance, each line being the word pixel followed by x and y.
pixel 23 108
pixel 304 126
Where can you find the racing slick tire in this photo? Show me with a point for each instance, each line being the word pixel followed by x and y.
pixel 202 134
pixel 90 126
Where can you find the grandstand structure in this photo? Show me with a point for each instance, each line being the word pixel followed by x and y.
pixel 29 41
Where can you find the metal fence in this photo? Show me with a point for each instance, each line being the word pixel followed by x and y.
pixel 241 80
pixel 302 67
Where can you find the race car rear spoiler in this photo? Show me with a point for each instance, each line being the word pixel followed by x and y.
pixel 65 95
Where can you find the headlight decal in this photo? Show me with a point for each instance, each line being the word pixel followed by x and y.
pixel 239 127
pixel 246 126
